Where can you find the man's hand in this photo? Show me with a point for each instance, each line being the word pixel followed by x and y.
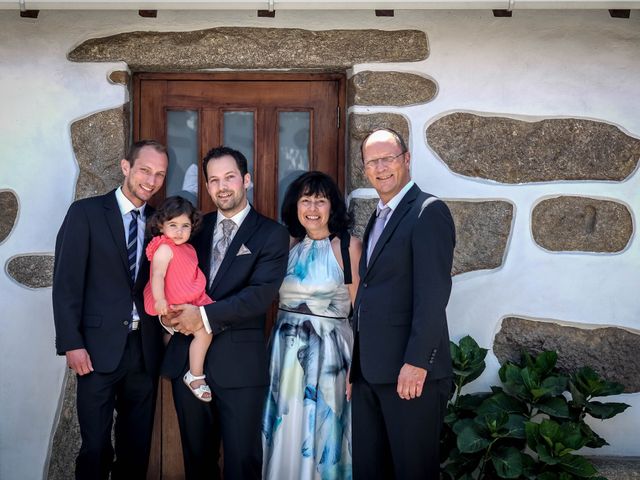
pixel 410 381
pixel 168 318
pixel 348 391
pixel 187 321
pixel 79 361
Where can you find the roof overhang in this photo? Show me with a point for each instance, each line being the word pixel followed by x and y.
pixel 316 5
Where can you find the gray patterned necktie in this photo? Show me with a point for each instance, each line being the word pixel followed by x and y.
pixel 376 231
pixel 221 246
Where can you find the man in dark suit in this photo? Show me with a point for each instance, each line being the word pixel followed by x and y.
pixel 244 256
pixel 401 370
pixel 101 326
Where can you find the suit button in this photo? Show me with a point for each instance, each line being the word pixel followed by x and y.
pixel 364 285
pixel 126 322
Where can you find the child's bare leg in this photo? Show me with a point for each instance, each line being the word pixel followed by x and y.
pixel 197 352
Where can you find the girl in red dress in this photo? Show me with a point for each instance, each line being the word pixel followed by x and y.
pixel 176 279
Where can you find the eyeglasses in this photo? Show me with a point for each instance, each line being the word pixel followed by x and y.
pixel 385 161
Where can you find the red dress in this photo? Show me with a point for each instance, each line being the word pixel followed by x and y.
pixel 184 282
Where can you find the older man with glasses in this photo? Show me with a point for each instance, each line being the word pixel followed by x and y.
pixel 401 372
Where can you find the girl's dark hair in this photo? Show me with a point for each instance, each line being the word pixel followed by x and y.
pixel 173 207
pixel 320 184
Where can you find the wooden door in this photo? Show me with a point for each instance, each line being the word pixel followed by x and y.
pixel 283 123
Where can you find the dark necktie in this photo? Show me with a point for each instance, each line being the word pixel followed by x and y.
pixel 376 231
pixel 221 246
pixel 132 244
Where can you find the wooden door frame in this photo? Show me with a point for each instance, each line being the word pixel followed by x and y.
pixel 157 454
pixel 341 78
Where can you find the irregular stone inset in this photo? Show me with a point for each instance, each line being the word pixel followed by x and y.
pixel 390 88
pixel 66 439
pixel 482 231
pixel 8 213
pixel 514 151
pixel 250 48
pixel 33 271
pixel 99 143
pixel 610 351
pixel 617 468
pixel 361 209
pixel 119 77
pixel 359 127
pixel 581 224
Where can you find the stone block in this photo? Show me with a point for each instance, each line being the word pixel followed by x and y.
pixel 581 224
pixel 610 351
pixel 252 48
pixel 482 230
pixel 119 77
pixel 390 88
pixel 515 151
pixel 361 209
pixel 8 213
pixel 99 143
pixel 33 271
pixel 482 234
pixel 359 127
pixel 617 468
pixel 66 438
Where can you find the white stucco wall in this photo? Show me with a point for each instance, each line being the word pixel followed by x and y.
pixel 534 65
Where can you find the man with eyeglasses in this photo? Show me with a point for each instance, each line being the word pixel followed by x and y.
pixel 401 371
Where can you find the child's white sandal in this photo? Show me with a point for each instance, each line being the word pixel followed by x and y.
pixel 200 390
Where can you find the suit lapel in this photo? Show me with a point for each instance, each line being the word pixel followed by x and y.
pixel 204 244
pixel 398 214
pixel 242 235
pixel 114 220
pixel 365 242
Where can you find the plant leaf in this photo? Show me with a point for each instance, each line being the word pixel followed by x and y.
pixel 554 407
pixel 570 436
pixel 470 440
pixel 555 384
pixel 507 462
pixel 545 362
pixel 515 427
pixel 593 439
pixel 591 385
pixel 545 455
pixel 501 402
pixel 604 411
pixel 577 465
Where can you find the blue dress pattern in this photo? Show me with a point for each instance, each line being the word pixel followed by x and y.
pixel 307 420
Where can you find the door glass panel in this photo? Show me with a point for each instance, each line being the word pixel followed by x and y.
pixel 238 134
pixel 293 149
pixel 182 145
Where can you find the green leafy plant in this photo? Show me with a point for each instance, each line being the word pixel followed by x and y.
pixel 530 427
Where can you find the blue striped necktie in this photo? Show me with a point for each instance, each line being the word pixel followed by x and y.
pixel 132 244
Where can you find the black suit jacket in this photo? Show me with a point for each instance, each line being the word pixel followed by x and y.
pixel 93 293
pixel 243 289
pixel 404 289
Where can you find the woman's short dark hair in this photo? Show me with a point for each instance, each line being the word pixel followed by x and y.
pixel 173 207
pixel 322 185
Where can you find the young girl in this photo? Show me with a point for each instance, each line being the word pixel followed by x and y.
pixel 175 279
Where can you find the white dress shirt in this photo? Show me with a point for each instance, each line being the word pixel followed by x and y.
pixel 238 218
pixel 125 206
pixel 392 204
